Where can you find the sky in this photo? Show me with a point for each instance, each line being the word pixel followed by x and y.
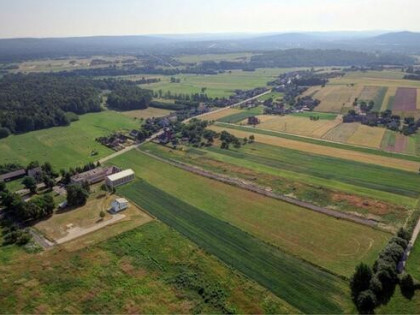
pixel 63 18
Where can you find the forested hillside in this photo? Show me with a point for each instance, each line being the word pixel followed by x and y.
pixel 322 58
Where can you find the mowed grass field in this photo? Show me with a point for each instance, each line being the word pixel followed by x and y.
pixel 299 125
pixel 323 148
pixel 220 85
pixel 333 244
pixel 146 113
pixel 215 57
pixel 151 269
pixel 367 136
pixel 315 291
pixel 242 115
pixel 69 146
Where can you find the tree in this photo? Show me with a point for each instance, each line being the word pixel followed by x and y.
pixel 360 280
pixel 366 302
pixel 76 195
pixel 407 286
pixel 30 183
pixel 48 181
pixel 404 234
pixel 3 186
pixel 251 138
pixel 102 214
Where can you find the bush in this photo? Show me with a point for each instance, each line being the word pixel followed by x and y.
pixel 4 132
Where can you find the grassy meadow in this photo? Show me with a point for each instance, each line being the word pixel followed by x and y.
pixel 69 146
pixel 151 269
pixel 220 85
pixel 337 246
pixel 302 285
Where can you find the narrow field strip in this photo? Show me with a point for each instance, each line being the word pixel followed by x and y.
pixel 300 284
pixel 329 149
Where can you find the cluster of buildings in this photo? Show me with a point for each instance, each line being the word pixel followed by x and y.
pixel 33 172
pixel 113 176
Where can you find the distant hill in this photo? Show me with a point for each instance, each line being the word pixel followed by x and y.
pixel 32 48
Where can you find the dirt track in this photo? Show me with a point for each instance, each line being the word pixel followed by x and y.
pixel 264 191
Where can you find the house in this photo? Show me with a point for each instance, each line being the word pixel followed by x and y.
pixel 120 178
pixel 35 172
pixel 12 175
pixel 94 176
pixel 119 204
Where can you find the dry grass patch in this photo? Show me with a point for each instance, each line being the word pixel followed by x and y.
pixel 367 136
pixel 299 125
pixel 147 113
pixel 327 151
pixel 334 97
pixel 342 132
pixel 220 114
pixel 87 216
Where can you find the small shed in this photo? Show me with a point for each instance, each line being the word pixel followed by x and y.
pixel 119 204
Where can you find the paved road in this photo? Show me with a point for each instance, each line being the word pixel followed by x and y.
pixel 266 192
pixel 115 154
pixel 76 232
pixel 230 106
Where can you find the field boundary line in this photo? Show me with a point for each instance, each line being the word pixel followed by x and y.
pixel 321 141
pixel 263 191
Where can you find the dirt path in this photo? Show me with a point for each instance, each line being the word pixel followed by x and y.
pixel 76 232
pixel 264 191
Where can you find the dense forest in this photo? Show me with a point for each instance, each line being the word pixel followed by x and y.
pixel 37 101
pixel 129 97
pixel 322 58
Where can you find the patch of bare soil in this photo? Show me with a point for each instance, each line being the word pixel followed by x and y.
pixel 374 207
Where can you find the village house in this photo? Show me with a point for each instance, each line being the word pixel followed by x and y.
pixel 119 204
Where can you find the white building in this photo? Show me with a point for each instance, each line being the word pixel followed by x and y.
pixel 120 178
pixel 119 204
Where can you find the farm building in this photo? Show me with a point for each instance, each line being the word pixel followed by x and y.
pixel 12 175
pixel 119 204
pixel 94 176
pixel 120 178
pixel 35 172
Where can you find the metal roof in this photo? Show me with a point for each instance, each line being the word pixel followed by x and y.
pixel 120 175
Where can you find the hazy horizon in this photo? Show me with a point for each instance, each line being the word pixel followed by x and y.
pixel 80 18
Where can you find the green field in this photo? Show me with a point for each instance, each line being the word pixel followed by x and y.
pixel 325 116
pixel 220 85
pixel 300 284
pixel 330 243
pixel 66 146
pixel 151 269
pixel 291 173
pixel 215 57
pixel 354 173
pixel 324 143
pixel 244 114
